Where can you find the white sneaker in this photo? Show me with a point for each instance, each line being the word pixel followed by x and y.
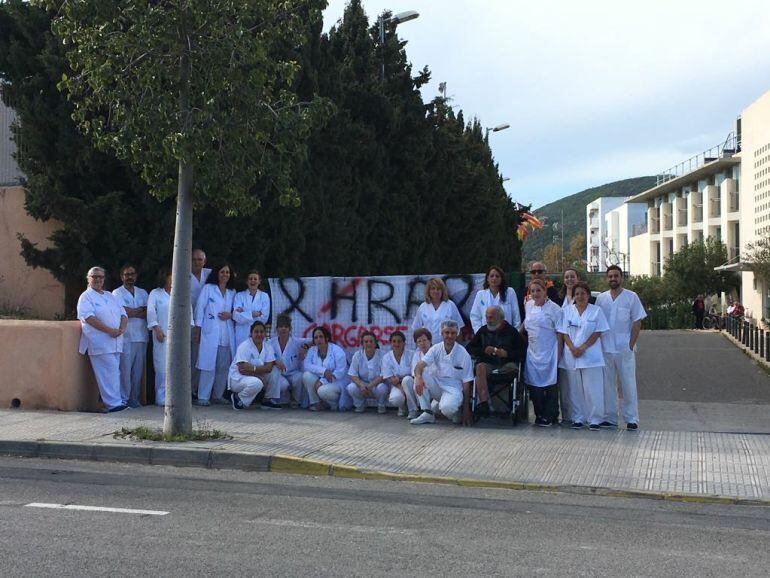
pixel 382 409
pixel 424 417
pixel 412 415
pixel 401 412
pixel 360 409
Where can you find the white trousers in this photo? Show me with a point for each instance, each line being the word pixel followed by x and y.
pixel 380 394
pixel 160 387
pixel 449 399
pixel 290 385
pixel 107 371
pixel 329 392
pixel 277 385
pixel 131 371
pixel 399 398
pixel 586 388
pixel 215 380
pixel 620 367
pixel 563 381
pixel 247 387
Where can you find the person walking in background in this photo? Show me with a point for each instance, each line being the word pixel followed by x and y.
pixel 215 333
pixel 699 311
pixel 103 322
pixel 132 359
pixel 540 327
pixel 624 313
pixel 495 292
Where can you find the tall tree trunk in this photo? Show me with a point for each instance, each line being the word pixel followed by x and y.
pixel 178 418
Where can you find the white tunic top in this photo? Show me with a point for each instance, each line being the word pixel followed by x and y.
pixel 157 316
pixel 364 368
pixel 620 313
pixel 430 318
pixel 451 369
pixel 393 368
pixel 196 286
pixel 417 357
pixel 247 352
pixel 136 330
pixel 249 304
pixel 215 332
pixel 542 357
pixel 580 328
pixel 106 309
pixel 335 361
pixel 289 356
pixel 485 299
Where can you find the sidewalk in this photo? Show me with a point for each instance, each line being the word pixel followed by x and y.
pixel 708 467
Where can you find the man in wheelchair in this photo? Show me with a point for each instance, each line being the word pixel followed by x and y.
pixel 497 349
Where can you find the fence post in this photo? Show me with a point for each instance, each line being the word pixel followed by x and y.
pixel 756 339
pixel 762 344
pixel 745 339
pixel 767 346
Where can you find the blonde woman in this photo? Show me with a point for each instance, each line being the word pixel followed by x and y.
pixel 436 308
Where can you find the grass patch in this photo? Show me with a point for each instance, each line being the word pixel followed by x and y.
pixel 203 432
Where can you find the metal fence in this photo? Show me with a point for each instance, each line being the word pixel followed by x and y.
pixel 750 335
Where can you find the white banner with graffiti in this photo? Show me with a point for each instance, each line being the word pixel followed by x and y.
pixel 348 306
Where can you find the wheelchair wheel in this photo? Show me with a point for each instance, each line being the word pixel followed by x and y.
pixel 521 415
pixel 708 322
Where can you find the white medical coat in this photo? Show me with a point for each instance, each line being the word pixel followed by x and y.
pixel 107 309
pixel 157 316
pixel 364 368
pixel 247 352
pixel 136 330
pixel 243 319
pixel 430 318
pixel 289 356
pixel 393 368
pixel 335 361
pixel 580 328
pixel 210 303
pixel 541 324
pixel 196 286
pixel 620 314
pixel 485 299
pixel 451 369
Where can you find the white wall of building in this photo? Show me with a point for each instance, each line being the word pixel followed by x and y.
pixel 596 231
pixel 621 224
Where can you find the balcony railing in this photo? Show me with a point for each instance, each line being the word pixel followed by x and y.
pixel 735 200
pixel 668 222
pixel 638 229
pixel 594 223
pixel 724 150
pixel 716 207
pixel 654 226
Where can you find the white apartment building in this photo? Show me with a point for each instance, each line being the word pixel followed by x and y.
pixel 596 231
pixel 723 192
pixel 620 224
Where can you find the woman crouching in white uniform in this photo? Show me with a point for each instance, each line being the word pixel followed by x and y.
pixel 424 341
pixel 251 367
pixel 289 353
pixel 325 372
pixel 582 324
pixel 365 374
pixel 541 324
pixel 396 367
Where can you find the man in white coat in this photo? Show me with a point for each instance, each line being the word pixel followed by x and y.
pixel 103 322
pixel 198 275
pixel 134 301
pixel 624 313
pixel 452 381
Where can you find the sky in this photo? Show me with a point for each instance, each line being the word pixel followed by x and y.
pixel 594 91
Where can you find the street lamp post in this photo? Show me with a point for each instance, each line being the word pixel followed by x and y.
pixel 497 128
pixel 394 20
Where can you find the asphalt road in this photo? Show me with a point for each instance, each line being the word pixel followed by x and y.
pixel 244 524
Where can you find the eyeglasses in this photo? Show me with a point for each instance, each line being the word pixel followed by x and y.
pixel 537 271
pixel 96 276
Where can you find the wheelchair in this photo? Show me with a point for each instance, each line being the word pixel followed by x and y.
pixel 509 390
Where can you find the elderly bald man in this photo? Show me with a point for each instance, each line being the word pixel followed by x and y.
pixel 497 347
pixel 538 270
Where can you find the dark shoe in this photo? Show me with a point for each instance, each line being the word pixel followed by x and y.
pixel 542 422
pixel 117 408
pixel 236 401
pixel 482 410
pixel 632 426
pixel 577 425
pixel 606 424
pixel 268 404
pixel 594 427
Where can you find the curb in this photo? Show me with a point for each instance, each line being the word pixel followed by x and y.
pixel 285 464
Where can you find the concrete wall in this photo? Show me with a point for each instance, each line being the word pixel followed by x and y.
pixel 641 260
pixel 21 287
pixel 40 367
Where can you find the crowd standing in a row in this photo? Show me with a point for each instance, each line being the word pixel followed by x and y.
pixel 574 352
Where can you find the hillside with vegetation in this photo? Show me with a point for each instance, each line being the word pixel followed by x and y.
pixel 574 211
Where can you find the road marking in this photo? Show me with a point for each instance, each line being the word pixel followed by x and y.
pixel 95 509
pixel 336 527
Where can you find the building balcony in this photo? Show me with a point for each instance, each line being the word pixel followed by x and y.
pixel 668 222
pixel 638 229
pixel 716 207
pixel 734 203
pixel 593 223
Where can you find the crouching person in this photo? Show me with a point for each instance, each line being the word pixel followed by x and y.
pixel 326 373
pixel 366 375
pixel 451 384
pixel 250 370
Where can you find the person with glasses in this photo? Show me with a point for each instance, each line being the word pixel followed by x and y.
pixel 539 271
pixel 132 360
pixel 103 321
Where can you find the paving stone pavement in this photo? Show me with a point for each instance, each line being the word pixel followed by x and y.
pixel 733 465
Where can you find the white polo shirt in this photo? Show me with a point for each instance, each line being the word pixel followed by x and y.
pixel 621 313
pixel 580 328
pixel 366 369
pixel 247 352
pixel 106 308
pixel 451 369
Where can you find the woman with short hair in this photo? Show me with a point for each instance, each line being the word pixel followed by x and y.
pixel 365 374
pixel 289 353
pixel 424 341
pixel 215 333
pixel 396 367
pixel 436 308
pixel 325 372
